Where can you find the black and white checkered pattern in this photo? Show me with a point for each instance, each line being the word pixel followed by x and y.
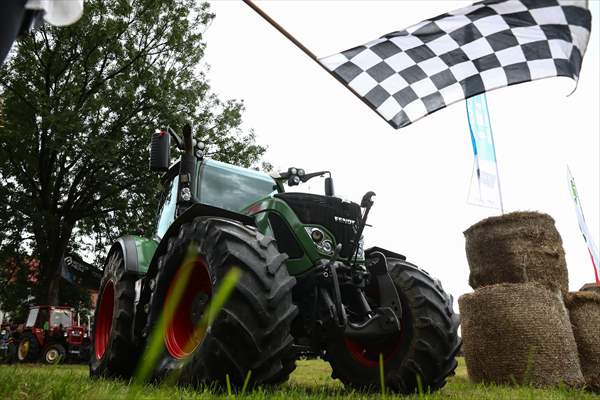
pixel 409 74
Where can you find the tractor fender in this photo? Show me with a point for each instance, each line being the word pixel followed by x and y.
pixel 196 210
pixel 387 253
pixel 137 253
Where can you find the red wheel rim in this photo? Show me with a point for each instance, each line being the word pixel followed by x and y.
pixel 367 354
pixel 180 340
pixel 104 319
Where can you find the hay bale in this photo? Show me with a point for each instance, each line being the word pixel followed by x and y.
pixel 518 334
pixel 517 247
pixel 590 287
pixel 584 311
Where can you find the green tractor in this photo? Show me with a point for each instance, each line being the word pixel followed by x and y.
pixel 308 288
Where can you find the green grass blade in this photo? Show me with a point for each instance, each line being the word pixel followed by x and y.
pixel 228 385
pixel 215 305
pixel 156 342
pixel 246 381
pixel 381 375
pixel 221 296
pixel 420 386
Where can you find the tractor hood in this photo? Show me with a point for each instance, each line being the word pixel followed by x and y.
pixel 341 218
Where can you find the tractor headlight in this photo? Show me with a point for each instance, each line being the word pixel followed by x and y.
pixel 317 235
pixel 360 254
pixel 85 335
pixel 186 194
pixel 327 246
pixel 66 334
pixel 322 239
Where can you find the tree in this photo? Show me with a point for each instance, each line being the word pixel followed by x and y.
pixel 79 105
pixel 18 279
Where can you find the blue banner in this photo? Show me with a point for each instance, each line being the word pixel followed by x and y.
pixel 485 185
pixel 480 128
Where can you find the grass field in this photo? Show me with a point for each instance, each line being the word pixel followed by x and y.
pixel 310 381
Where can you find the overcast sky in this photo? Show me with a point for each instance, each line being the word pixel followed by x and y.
pixel 420 173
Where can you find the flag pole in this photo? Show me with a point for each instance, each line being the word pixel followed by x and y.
pixel 274 24
pixel 305 50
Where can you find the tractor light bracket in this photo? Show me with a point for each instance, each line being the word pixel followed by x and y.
pixel 378 267
pixel 383 324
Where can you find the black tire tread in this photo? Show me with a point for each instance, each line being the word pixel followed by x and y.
pixel 34 348
pixel 432 344
pixel 252 332
pixel 437 343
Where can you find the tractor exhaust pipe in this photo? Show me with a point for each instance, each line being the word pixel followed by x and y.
pixel 188 161
pixel 186 170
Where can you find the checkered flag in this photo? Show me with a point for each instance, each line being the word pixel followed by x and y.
pixel 409 74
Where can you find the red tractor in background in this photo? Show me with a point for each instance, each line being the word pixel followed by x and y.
pixel 52 335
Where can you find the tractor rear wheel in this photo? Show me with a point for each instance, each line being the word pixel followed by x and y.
pixel 252 330
pixel 424 350
pixel 113 352
pixel 54 354
pixel 29 348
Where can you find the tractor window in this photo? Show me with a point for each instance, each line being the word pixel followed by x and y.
pixel 33 313
pixel 232 188
pixel 42 317
pixel 167 210
pixel 61 317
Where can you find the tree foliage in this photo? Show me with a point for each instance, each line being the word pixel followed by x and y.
pixel 79 106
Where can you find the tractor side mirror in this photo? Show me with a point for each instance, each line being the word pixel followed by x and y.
pixel 329 187
pixel 160 151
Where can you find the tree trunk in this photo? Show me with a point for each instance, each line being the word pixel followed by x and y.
pixel 53 298
pixel 56 238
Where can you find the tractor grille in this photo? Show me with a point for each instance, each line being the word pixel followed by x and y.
pixel 323 210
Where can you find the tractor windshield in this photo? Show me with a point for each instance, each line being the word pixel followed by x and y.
pixel 62 318
pixel 230 187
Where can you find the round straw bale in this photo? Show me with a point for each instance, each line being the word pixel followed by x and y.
pixel 590 287
pixel 584 310
pixel 518 334
pixel 517 247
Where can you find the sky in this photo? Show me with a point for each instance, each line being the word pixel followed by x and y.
pixel 421 173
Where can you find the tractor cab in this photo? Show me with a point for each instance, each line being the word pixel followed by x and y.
pixel 231 187
pixel 307 227
pixel 49 318
pixel 216 184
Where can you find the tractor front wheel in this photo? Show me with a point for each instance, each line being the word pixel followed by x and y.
pixel 54 354
pixel 251 333
pixel 424 350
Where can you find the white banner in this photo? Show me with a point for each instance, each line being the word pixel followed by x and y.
pixel 592 249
